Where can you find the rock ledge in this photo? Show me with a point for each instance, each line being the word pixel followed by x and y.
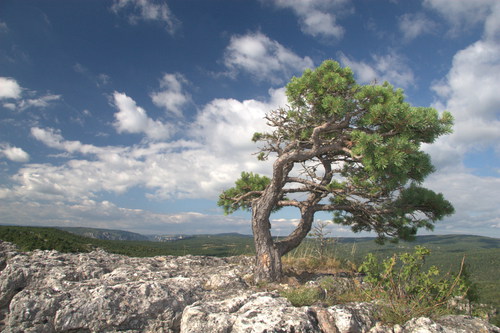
pixel 47 291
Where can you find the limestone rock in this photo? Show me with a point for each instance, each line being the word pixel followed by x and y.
pixel 465 324
pixel 449 324
pixel 422 325
pixel 49 292
pixel 353 317
pixel 266 312
pixel 46 291
pixel 248 313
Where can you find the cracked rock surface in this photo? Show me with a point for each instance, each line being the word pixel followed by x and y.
pixel 48 291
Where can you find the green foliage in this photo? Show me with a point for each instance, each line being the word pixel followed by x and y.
pixel 396 282
pixel 406 290
pixel 31 238
pixel 482 253
pixel 321 92
pixel 396 218
pixel 246 188
pixel 302 296
pixel 368 129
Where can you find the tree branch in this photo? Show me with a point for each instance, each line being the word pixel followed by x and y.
pixel 245 196
pixel 307 183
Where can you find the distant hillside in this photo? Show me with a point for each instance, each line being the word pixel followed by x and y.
pixel 436 240
pixel 168 238
pixel 32 238
pixel 233 234
pixel 447 243
pixel 51 238
pixel 106 234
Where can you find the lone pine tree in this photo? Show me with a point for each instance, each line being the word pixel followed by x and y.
pixel 350 149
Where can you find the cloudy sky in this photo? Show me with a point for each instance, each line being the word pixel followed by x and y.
pixel 136 114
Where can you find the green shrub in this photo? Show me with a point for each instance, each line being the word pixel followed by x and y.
pixel 302 295
pixel 404 290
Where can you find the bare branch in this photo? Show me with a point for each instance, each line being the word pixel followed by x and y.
pixel 245 196
pixel 305 182
pixel 289 203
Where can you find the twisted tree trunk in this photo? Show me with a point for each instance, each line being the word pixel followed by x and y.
pixel 268 257
pixel 268 252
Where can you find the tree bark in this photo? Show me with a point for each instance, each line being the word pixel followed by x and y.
pixel 297 236
pixel 268 258
pixel 268 266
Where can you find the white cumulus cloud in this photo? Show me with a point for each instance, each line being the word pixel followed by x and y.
pixel 14 154
pixel 264 59
pixel 216 148
pixel 470 89
pixel 475 198
pixel 131 118
pixel 470 92
pixel 105 214
pixel 463 14
pixel 39 102
pixel 389 67
pixel 53 139
pixel 316 17
pixel 172 97
pixel 9 88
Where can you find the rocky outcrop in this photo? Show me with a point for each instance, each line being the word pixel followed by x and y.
pixel 249 312
pixel 46 291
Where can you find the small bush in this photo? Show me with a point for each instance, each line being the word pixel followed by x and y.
pixel 405 291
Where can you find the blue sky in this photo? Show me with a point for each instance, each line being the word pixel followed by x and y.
pixel 136 114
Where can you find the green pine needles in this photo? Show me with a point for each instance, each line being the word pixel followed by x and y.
pixel 350 149
pixel 357 148
pixel 246 188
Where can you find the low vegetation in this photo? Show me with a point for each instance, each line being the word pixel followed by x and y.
pixel 400 287
pixel 316 256
pixel 405 290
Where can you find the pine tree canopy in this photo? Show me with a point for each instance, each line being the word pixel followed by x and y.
pixel 350 149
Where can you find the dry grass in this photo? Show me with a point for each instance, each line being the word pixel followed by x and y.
pixel 315 258
pixel 326 265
